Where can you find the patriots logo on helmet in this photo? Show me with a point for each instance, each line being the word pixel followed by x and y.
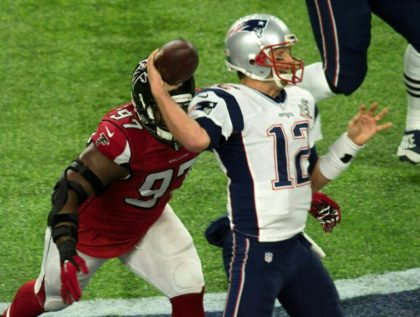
pixel 255 25
pixel 205 106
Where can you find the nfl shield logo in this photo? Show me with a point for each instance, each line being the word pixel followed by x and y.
pixel 268 257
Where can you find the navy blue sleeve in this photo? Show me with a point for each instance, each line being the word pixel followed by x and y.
pixel 313 158
pixel 316 111
pixel 213 130
pixel 235 112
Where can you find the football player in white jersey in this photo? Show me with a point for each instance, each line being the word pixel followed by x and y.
pixel 263 131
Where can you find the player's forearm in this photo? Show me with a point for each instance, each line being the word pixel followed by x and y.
pixel 318 180
pixel 184 129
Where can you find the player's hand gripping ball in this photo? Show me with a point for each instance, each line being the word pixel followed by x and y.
pixel 176 61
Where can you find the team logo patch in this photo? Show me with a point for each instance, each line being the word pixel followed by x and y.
pixel 140 72
pixel 205 106
pixel 304 108
pixel 268 257
pixel 102 140
pixel 256 25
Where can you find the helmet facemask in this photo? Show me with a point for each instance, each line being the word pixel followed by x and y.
pixel 288 72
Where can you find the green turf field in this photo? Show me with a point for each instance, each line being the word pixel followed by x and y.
pixel 65 63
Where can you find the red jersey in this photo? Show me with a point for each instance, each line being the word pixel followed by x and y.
pixel 112 223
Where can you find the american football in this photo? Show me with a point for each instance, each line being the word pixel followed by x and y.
pixel 177 61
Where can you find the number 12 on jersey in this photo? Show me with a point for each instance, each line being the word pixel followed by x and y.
pixel 284 159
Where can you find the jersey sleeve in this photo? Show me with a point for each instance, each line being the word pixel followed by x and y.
pixel 112 143
pixel 210 109
pixel 315 132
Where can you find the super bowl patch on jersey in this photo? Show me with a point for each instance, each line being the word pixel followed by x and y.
pixel 304 108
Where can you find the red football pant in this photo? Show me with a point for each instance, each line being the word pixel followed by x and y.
pixel 26 303
pixel 188 305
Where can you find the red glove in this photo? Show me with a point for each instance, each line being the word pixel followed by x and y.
pixel 71 263
pixel 326 210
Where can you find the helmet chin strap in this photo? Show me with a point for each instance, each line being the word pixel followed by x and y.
pixel 278 82
pixel 166 135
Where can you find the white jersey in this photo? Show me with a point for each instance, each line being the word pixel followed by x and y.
pixel 263 147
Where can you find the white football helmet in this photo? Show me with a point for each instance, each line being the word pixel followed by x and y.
pixel 250 45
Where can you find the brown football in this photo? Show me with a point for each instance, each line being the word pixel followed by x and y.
pixel 177 61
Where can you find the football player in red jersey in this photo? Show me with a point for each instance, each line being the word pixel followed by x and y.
pixel 112 202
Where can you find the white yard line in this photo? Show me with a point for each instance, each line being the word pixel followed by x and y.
pixel 392 282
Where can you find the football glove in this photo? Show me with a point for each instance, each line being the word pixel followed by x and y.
pixel 217 231
pixel 326 210
pixel 71 264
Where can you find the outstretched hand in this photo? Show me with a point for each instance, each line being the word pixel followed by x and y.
pixel 364 125
pixel 70 288
pixel 71 265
